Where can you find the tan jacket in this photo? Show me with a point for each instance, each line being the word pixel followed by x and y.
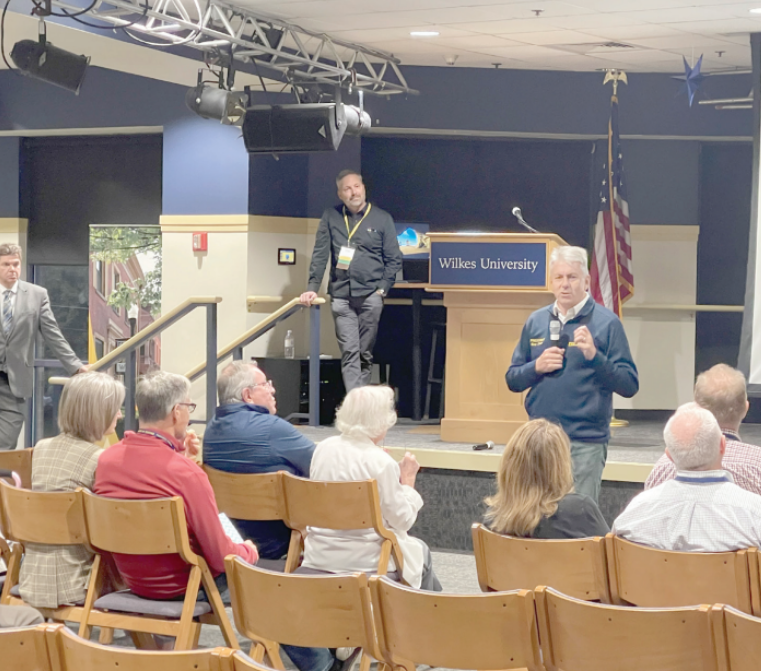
pixel 53 575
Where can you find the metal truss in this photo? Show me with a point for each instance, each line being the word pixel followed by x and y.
pixel 280 49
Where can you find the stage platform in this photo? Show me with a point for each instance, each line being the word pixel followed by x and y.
pixel 455 479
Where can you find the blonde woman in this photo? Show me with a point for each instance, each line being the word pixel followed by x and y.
pixel 535 497
pixel 51 575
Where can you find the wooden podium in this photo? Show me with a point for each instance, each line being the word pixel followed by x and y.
pixel 491 284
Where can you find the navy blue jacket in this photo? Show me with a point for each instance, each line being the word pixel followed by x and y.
pixel 243 438
pixel 579 397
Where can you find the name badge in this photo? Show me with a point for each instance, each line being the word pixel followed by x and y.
pixel 344 258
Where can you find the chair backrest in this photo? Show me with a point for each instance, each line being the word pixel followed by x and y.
pixel 55 518
pixel 19 461
pixel 479 631
pixel 304 610
pixel 340 506
pixel 242 662
pixel 738 639
pixel 575 567
pixel 137 527
pixel 644 576
pixel 69 652
pixel 248 496
pixel 577 635
pixel 24 648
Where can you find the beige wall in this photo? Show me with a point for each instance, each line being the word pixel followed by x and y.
pixel 658 322
pixel 13 231
pixel 241 261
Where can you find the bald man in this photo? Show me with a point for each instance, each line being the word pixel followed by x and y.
pixel 701 509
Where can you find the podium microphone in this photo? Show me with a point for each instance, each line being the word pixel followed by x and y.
pixel 519 216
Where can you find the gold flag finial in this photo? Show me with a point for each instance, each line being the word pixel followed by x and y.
pixel 615 76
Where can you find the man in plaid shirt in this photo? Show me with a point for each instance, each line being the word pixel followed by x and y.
pixel 722 391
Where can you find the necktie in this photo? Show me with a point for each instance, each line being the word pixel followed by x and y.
pixel 7 312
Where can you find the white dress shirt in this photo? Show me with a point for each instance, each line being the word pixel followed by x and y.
pixel 348 458
pixel 572 312
pixel 698 511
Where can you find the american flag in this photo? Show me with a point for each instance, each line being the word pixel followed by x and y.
pixel 612 281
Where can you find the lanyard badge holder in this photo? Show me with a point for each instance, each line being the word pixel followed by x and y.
pixel 346 254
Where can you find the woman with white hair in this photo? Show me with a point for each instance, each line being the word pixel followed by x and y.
pixel 53 575
pixel 363 419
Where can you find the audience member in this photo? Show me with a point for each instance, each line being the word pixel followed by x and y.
pixel 151 463
pixel 246 436
pixel 722 391
pixel 19 616
pixel 363 419
pixel 701 509
pixel 54 575
pixel 535 497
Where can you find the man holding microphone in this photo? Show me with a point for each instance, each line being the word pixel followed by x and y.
pixel 573 356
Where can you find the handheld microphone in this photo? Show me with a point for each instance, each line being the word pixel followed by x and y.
pixel 519 216
pixel 488 445
pixel 554 330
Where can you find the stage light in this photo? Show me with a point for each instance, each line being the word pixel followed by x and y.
pixel 41 60
pixel 212 102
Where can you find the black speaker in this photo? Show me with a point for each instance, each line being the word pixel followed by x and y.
pixel 293 128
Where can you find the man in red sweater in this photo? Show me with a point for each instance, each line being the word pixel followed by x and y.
pixel 152 463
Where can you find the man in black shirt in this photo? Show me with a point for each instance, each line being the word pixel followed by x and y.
pixel 360 241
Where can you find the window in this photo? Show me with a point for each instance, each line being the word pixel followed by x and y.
pixel 117 279
pixel 99 278
pixel 99 348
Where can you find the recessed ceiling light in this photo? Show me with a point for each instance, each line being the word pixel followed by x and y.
pixel 424 33
pixel 756 11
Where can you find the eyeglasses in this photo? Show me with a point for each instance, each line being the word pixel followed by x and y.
pixel 266 383
pixel 190 406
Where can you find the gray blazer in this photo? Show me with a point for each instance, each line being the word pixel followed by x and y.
pixel 32 314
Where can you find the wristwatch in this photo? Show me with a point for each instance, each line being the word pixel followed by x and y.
pixel 382 292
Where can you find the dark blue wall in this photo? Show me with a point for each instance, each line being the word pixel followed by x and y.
pixel 9 177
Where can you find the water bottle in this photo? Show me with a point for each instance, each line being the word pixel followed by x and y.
pixel 288 345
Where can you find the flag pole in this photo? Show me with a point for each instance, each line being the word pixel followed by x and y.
pixel 614 76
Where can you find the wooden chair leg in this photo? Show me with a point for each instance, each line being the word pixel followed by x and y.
pixel 273 652
pixel 196 635
pixel 293 559
pixel 364 664
pixel 93 592
pixel 184 639
pixel 106 636
pixel 143 641
pixel 218 608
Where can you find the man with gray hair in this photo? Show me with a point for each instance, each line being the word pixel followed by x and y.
pixel 722 391
pixel 701 509
pixel 151 463
pixel 246 436
pixel 573 356
pixel 24 314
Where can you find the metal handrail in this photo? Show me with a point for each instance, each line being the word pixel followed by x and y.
pixel 235 348
pixel 129 348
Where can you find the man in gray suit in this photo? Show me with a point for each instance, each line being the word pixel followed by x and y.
pixel 24 312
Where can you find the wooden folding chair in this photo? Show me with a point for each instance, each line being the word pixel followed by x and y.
pixel 479 631
pixel 304 610
pixel 575 567
pixel 738 639
pixel 155 527
pixel 250 496
pixel 577 635
pixel 50 518
pixel 643 576
pixel 68 652
pixel 24 649
pixel 19 461
pixel 336 505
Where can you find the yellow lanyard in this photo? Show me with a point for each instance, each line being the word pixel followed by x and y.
pixel 346 221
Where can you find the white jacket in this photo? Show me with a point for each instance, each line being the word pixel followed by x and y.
pixel 348 458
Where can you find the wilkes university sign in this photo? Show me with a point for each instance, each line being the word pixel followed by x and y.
pixel 498 264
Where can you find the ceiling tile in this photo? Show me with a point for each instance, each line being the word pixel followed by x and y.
pixel 720 26
pixel 555 37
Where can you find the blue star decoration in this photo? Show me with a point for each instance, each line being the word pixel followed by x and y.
pixel 692 78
